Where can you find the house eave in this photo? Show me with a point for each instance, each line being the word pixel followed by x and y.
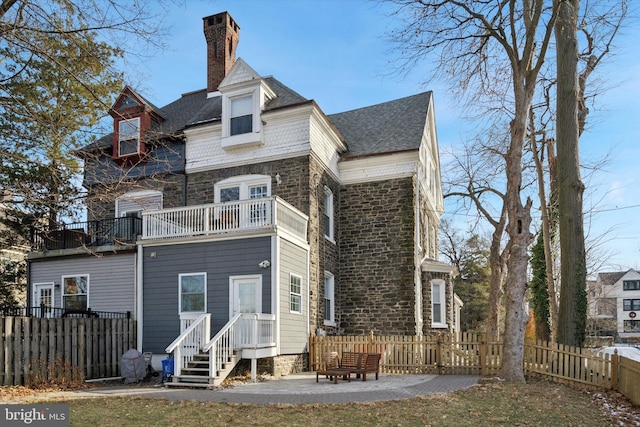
pixel 431 265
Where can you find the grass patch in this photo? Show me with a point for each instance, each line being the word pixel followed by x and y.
pixel 494 404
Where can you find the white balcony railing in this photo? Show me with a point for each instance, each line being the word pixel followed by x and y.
pixel 219 218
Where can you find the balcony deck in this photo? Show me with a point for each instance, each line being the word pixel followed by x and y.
pixel 245 216
pixel 113 231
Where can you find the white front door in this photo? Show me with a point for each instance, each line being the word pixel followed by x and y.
pixel 245 294
pixel 43 298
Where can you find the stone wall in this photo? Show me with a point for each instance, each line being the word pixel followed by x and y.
pixel 376 287
pixel 284 364
pixel 101 201
pixel 426 279
pixel 294 185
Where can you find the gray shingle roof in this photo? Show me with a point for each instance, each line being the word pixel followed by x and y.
pixel 194 107
pixel 611 278
pixel 391 126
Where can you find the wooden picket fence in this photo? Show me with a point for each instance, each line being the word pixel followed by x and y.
pixel 69 349
pixel 472 354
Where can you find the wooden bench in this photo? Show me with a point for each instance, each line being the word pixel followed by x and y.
pixel 369 362
pixel 351 363
pixel 332 369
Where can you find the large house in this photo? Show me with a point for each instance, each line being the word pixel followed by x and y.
pixel 614 305
pixel 243 218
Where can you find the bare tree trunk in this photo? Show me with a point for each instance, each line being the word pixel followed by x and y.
pixel 496 280
pixel 552 212
pixel 519 217
pixel 548 223
pixel 573 297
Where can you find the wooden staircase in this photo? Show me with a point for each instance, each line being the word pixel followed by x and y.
pixel 196 373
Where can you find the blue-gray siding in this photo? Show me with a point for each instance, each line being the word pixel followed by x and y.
pixel 111 279
pixel 167 158
pixel 221 259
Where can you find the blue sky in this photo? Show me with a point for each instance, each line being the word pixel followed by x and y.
pixel 334 51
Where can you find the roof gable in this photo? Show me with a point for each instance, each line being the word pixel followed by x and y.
pixel 392 126
pixel 130 103
pixel 239 73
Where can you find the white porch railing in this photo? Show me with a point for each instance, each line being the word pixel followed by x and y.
pixel 243 215
pixel 190 342
pixel 221 347
pixel 249 330
pixel 256 330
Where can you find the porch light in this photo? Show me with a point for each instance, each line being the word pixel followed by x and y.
pixel 264 264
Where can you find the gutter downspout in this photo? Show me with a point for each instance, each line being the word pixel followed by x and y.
pixel 417 258
pixel 138 295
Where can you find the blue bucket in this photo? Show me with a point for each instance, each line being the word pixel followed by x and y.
pixel 167 368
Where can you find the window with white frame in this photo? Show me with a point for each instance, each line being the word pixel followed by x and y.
pixel 631 285
pixel 329 299
pixel 193 292
pixel 128 137
pixel 631 305
pixel 241 117
pixel 438 304
pixel 134 202
pixel 75 291
pixel 242 187
pixel 295 293
pixel 631 325
pixel 328 214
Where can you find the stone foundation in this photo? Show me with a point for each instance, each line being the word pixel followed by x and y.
pixel 278 366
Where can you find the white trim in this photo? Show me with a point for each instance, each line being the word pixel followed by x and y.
pixel 332 286
pixel 135 196
pixel 443 304
pixel 43 285
pixel 135 124
pixel 291 294
pixel 233 279
pixel 378 167
pixel 244 182
pixel 275 287
pixel 329 211
pixel 63 294
pixel 138 296
pixel 180 276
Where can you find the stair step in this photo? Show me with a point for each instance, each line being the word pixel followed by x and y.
pixel 192 378
pixel 187 384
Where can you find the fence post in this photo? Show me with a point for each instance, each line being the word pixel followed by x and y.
pixel 311 353
pixel 483 354
pixel 615 363
pixel 439 345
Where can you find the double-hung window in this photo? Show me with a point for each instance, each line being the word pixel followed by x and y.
pixel 631 304
pixel 295 293
pixel 193 292
pixel 241 119
pixel 75 291
pixel 438 304
pixel 631 285
pixel 329 299
pixel 128 137
pixel 328 214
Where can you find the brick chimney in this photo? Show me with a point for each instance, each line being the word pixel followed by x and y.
pixel 222 34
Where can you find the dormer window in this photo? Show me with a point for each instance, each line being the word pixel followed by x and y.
pixel 241 115
pixel 133 117
pixel 128 137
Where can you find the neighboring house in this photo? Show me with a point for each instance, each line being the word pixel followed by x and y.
pixel 614 304
pixel 13 254
pixel 259 212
